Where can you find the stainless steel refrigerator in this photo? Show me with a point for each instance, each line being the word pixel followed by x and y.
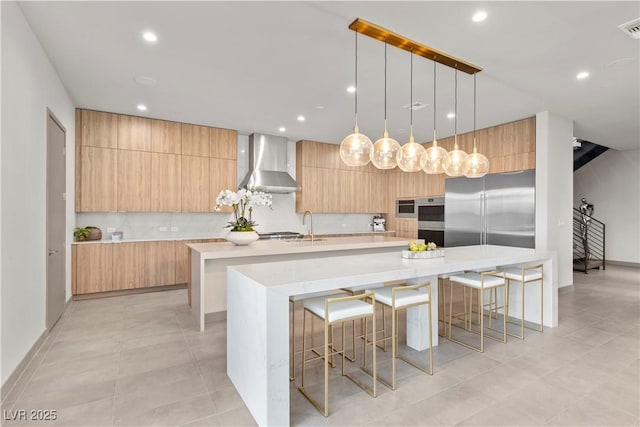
pixel 498 209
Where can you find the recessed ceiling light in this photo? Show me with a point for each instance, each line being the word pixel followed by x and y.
pixel 351 89
pixel 319 107
pixel 301 118
pixel 582 75
pixel 150 36
pixel 451 115
pixel 145 80
pixel 282 129
pixel 142 107
pixel 479 16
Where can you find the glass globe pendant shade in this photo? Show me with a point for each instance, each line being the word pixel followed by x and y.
pixel 477 164
pixel 384 153
pixel 455 163
pixel 356 148
pixel 411 156
pixel 433 159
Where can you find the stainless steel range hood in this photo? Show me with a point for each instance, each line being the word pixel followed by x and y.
pixel 268 165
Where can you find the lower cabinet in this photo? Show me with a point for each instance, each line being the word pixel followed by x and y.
pixel 101 267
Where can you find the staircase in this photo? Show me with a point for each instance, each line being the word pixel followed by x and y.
pixel 584 152
pixel 588 248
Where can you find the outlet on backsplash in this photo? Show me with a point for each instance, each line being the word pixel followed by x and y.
pixel 173 228
pixel 162 228
pixel 111 229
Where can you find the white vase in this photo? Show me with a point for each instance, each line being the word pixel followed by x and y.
pixel 242 238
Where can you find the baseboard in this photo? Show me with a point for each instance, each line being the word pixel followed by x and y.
pixel 218 316
pixel 108 294
pixel 22 366
pixel 624 263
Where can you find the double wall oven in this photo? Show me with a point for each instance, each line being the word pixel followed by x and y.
pixel 430 212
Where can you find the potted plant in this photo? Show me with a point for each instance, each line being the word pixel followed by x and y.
pixel 80 234
pixel 242 202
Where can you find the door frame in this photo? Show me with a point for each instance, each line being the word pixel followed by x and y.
pixel 50 114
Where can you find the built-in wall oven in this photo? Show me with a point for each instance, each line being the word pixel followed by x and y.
pixel 431 219
pixel 406 209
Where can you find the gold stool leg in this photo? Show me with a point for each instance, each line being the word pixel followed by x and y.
pixel 327 330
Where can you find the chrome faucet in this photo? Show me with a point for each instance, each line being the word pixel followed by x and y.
pixel 311 227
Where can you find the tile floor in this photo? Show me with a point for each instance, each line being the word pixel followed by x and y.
pixel 136 361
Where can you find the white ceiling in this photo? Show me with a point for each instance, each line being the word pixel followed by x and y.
pixel 255 66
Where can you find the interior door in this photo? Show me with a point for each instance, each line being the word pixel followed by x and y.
pixel 56 220
pixel 462 211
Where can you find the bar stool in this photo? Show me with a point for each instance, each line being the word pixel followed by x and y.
pixel 332 311
pixel 402 298
pixel 292 300
pixel 355 290
pixel 525 275
pixel 480 281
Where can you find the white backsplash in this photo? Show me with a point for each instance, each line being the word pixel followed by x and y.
pixel 282 217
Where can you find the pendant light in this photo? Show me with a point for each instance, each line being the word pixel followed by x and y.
pixel 455 161
pixel 385 149
pixel 355 149
pixel 411 156
pixel 477 164
pixel 435 153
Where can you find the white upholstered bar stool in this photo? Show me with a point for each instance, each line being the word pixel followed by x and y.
pixel 292 300
pixel 481 281
pixel 355 290
pixel 333 311
pixel 525 275
pixel 401 298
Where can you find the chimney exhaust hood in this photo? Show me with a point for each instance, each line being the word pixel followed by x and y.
pixel 268 165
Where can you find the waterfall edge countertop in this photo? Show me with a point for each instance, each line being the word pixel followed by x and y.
pixel 209 262
pixel 258 308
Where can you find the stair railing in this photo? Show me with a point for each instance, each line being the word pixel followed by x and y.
pixel 588 242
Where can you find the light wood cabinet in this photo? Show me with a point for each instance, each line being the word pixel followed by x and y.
pixel 98 184
pixel 97 129
pixel 128 262
pixel 160 266
pixel 223 176
pixel 134 133
pixel 134 181
pixel 223 143
pixel 166 137
pixel 166 182
pixel 195 140
pixel 183 266
pixel 196 185
pixel 92 268
pixel 407 228
pixel 378 193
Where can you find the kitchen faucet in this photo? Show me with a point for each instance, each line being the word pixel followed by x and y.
pixel 304 216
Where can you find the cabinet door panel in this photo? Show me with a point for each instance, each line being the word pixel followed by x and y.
pixel 377 193
pixel 134 181
pixel 224 143
pixel 98 129
pixel 160 263
pixel 129 270
pixel 134 133
pixel 223 176
pixel 196 186
pixel 195 140
pixel 166 137
pixel 98 184
pixel 92 268
pixel 183 267
pixel 166 179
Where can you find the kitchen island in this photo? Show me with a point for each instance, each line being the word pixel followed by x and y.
pixel 209 262
pixel 258 308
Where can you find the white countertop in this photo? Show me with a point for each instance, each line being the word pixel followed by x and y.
pixel 384 267
pixel 221 250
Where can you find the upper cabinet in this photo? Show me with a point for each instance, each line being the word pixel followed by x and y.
pixel 166 137
pixel 134 164
pixel 195 140
pixel 134 133
pixel 97 129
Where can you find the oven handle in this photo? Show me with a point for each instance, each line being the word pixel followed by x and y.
pixel 431 225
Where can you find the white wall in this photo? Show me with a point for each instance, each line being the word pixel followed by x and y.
pixel 612 183
pixel 554 191
pixel 30 85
